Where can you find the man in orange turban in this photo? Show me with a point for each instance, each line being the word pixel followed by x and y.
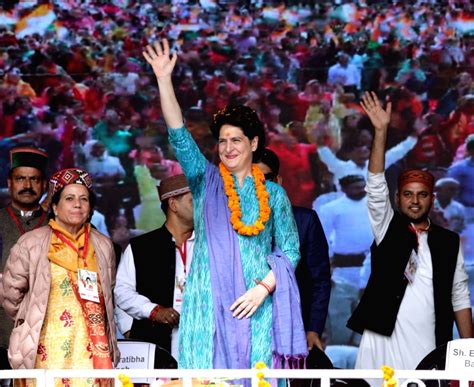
pixel 418 285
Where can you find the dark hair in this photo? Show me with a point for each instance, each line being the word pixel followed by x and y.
pixel 470 143
pixel 165 203
pixel 350 179
pixel 244 118
pixel 164 206
pixel 57 196
pixel 271 160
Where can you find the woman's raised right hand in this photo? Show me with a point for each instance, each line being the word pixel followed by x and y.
pixel 158 56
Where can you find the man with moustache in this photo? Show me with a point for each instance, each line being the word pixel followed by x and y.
pixel 418 284
pixel 26 184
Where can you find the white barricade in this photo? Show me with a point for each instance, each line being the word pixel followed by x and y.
pixel 46 377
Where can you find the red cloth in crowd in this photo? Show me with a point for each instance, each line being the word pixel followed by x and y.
pixel 7 126
pixel 414 104
pixel 295 170
pixel 456 129
pixel 77 64
pixel 294 107
pixel 67 140
pixel 53 79
pixel 217 58
pixel 94 101
pixel 429 151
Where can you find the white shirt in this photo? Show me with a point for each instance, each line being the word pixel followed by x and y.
pixel 408 344
pixel 104 166
pixel 125 84
pixel 455 215
pixel 345 76
pixel 138 306
pixel 325 198
pixel 346 226
pixel 340 168
pixel 347 229
pixel 98 220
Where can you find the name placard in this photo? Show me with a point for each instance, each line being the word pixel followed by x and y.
pixel 460 355
pixel 137 355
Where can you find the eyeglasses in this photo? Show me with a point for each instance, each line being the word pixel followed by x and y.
pixel 270 176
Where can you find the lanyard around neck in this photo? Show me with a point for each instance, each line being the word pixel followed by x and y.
pixel 183 253
pixel 18 223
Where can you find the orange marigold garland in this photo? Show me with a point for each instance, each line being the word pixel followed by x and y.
pixel 234 202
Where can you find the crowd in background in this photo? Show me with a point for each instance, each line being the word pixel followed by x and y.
pixel 80 89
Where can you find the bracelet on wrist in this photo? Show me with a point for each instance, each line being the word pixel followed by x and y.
pixel 154 312
pixel 265 286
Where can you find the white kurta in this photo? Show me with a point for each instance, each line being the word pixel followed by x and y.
pixel 341 168
pixel 414 334
pixel 138 306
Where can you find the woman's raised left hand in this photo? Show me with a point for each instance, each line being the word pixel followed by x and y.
pixel 247 304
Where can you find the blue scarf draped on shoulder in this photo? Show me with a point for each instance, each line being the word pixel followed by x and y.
pixel 231 341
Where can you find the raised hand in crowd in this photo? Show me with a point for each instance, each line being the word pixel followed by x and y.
pixel 158 56
pixel 379 117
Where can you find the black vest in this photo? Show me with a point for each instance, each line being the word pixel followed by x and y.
pixel 379 305
pixel 154 254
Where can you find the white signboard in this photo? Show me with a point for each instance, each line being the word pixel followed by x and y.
pixel 460 355
pixel 137 355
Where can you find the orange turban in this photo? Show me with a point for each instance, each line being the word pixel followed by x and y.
pixel 416 176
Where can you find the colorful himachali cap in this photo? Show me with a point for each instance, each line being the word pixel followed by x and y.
pixel 28 157
pixel 69 176
pixel 173 186
pixel 416 176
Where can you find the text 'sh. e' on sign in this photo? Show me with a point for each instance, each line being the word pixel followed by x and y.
pixel 460 355
pixel 136 355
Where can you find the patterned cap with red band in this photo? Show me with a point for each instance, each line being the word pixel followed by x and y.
pixel 69 176
pixel 416 176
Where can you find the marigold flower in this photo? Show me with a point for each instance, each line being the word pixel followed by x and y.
pixel 391 382
pixel 260 365
pixel 388 372
pixel 234 202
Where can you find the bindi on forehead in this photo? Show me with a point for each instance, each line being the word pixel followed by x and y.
pixel 231 138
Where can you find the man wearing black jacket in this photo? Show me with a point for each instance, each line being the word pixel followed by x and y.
pixel 153 269
pixel 418 285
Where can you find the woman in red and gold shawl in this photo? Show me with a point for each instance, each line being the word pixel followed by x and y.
pixel 58 284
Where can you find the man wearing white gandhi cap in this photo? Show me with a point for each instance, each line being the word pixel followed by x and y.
pixel 153 270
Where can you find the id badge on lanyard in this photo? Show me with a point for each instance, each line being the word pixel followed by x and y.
pixel 412 266
pixel 88 285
